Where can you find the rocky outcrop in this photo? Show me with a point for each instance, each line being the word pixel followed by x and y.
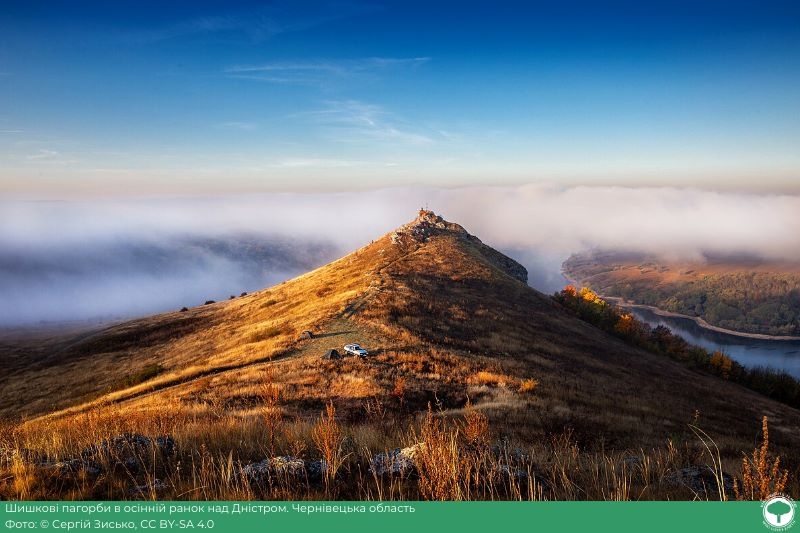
pixel 397 462
pixel 130 450
pixel 284 467
pixel 423 227
pixel 428 224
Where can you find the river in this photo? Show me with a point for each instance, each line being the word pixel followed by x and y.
pixel 778 354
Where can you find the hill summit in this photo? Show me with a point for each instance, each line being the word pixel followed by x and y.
pixel 429 224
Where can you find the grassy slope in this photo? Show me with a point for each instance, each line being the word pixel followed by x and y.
pixel 445 322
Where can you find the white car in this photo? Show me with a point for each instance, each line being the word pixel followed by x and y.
pixel 355 349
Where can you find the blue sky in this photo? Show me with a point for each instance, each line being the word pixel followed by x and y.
pixel 190 98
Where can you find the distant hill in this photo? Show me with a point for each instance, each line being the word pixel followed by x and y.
pixel 131 276
pixel 450 324
pixel 739 293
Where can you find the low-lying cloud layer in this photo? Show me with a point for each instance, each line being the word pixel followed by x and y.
pixel 77 260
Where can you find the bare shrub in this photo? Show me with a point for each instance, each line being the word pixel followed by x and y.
pixel 761 473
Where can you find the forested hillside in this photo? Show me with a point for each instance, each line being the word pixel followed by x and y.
pixel 751 298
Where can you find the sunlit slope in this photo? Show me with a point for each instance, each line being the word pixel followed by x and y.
pixel 46 372
pixel 446 319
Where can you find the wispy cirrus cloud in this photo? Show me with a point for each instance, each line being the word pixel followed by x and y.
pixel 356 121
pixel 44 154
pixel 237 125
pixel 316 162
pixel 316 72
pixel 259 24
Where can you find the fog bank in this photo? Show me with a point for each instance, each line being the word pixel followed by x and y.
pixel 125 257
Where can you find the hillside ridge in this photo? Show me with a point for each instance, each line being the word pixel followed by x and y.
pixel 451 328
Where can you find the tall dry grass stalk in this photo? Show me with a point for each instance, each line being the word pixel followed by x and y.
pixel 716 459
pixel 327 436
pixel 438 460
pixel 270 399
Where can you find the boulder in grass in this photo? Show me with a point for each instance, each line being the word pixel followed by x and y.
pixel 280 466
pixel 397 462
pixel 331 355
pixel 73 467
pixel 316 469
pixel 130 450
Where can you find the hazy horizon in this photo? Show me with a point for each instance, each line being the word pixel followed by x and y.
pixel 121 257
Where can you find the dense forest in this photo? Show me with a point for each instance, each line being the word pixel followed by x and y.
pixel 751 299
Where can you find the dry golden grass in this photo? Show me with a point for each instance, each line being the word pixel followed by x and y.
pixel 459 458
pixel 502 366
pixel 490 378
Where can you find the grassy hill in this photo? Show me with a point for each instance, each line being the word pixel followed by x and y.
pixel 510 395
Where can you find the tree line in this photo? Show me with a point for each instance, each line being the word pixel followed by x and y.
pixel 590 307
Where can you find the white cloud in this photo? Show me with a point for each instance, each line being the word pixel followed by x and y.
pixel 44 154
pixel 320 71
pixel 318 163
pixel 356 121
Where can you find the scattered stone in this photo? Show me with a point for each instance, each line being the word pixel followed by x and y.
pixel 514 454
pixel 166 444
pixel 126 442
pixel 128 449
pixel 512 472
pixel 316 469
pixel 332 355
pixel 398 462
pixel 700 480
pixel 632 461
pixel 284 466
pixel 257 472
pixel 148 488
pixel 26 455
pixel 287 464
pixel 73 466
pixel 306 335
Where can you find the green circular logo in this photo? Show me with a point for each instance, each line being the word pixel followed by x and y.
pixel 779 512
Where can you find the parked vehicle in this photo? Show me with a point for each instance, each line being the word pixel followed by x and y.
pixel 355 349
